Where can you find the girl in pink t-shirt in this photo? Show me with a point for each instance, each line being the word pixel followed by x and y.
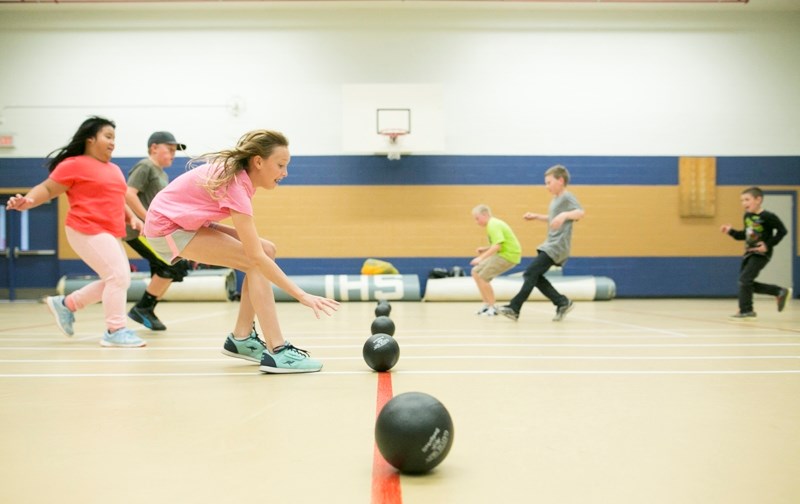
pixel 95 188
pixel 183 222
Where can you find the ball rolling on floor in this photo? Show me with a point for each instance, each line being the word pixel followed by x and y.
pixel 381 352
pixel 383 324
pixel 414 432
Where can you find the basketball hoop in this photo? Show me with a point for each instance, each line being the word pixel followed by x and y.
pixel 393 134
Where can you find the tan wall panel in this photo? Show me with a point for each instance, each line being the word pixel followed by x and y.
pixel 436 221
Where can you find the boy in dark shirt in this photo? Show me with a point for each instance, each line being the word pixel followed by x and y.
pixel 145 180
pixel 762 231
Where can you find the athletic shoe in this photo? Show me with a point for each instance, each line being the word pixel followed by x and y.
pixel 124 338
pixel 782 297
pixel 562 311
pixel 247 349
pixel 64 317
pixel 288 359
pixel 488 311
pixel 508 312
pixel 147 318
pixel 744 316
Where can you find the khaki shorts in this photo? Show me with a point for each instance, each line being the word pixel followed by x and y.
pixel 492 267
pixel 170 246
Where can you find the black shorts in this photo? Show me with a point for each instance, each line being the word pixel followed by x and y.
pixel 158 266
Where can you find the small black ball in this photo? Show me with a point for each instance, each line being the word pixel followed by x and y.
pixel 383 310
pixel 383 324
pixel 381 352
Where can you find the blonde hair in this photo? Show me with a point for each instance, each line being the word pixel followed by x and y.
pixel 482 210
pixel 558 171
pixel 229 162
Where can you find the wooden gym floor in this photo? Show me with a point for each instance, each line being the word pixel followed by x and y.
pixel 625 401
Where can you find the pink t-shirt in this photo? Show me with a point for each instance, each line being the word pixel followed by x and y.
pixel 96 195
pixel 186 204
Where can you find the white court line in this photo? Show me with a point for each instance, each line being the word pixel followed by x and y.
pixel 428 345
pixel 631 326
pixel 453 372
pixel 555 372
pixel 414 334
pixel 411 337
pixel 423 357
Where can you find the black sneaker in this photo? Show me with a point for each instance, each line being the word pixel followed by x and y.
pixel 744 316
pixel 562 311
pixel 782 297
pixel 147 318
pixel 508 312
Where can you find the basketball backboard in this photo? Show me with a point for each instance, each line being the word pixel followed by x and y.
pixel 392 119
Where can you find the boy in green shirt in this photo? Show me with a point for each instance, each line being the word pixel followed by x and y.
pixel 503 253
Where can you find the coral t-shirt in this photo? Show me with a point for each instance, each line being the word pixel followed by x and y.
pixel 186 204
pixel 96 194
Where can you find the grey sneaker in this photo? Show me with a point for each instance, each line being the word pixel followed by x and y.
pixel 562 311
pixel 288 359
pixel 782 297
pixel 64 317
pixel 744 316
pixel 247 349
pixel 508 312
pixel 123 338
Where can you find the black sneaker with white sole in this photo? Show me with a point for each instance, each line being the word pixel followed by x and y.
pixel 562 311
pixel 508 312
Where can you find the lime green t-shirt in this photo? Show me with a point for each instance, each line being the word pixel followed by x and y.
pixel 500 233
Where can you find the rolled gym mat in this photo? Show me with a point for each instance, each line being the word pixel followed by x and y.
pixel 577 288
pixel 198 285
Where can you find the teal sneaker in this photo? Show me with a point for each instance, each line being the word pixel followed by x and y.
pixel 124 338
pixel 247 349
pixel 288 359
pixel 64 317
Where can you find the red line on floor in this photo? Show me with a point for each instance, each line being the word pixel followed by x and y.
pixel 385 478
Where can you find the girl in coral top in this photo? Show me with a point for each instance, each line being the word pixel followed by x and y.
pixel 95 188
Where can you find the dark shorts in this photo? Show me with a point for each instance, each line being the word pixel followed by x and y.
pixel 158 266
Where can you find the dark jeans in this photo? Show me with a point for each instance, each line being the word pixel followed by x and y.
pixel 534 277
pixel 751 267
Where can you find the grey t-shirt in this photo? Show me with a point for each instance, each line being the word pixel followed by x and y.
pixel 148 179
pixel 558 241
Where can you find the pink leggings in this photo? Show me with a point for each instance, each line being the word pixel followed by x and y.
pixel 105 255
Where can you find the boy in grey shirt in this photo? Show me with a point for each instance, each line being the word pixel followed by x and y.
pixel 145 180
pixel 564 209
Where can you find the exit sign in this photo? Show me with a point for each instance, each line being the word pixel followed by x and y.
pixel 6 141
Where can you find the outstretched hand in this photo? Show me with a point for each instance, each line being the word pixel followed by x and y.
pixel 319 304
pixel 19 202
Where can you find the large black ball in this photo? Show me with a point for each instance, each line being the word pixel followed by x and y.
pixel 414 432
pixel 383 309
pixel 381 352
pixel 383 324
